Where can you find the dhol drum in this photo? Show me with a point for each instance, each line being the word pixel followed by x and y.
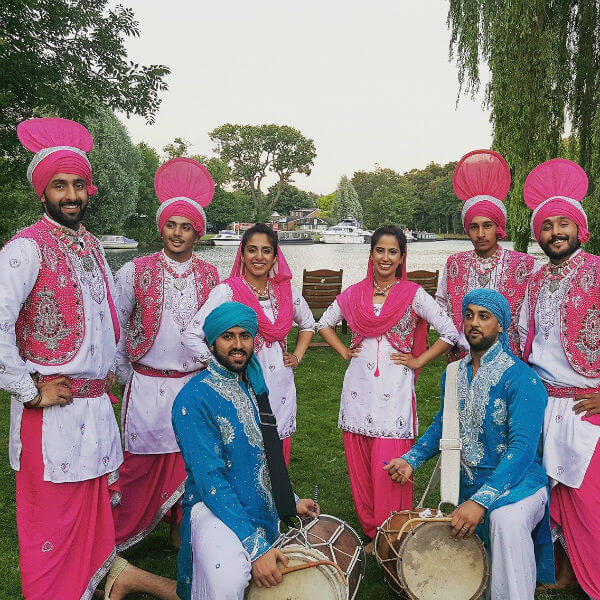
pixel 421 562
pixel 326 561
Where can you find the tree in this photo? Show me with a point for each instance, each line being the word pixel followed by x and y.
pixel 255 151
pixel 141 225
pixel 69 57
pixel 116 164
pixel 390 204
pixel 367 183
pixel 19 208
pixel 346 204
pixel 229 207
pixel 324 203
pixel 290 198
pixel 178 147
pixel 544 61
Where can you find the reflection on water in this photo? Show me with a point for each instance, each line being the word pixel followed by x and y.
pixel 350 257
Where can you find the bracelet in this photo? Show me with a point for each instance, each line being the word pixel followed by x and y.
pixel 32 403
pixel 296 357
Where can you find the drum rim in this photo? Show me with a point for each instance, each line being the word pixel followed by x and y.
pixel 486 575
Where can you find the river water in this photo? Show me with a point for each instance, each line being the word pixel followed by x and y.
pixel 352 258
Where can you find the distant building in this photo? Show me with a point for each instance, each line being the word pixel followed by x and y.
pixel 311 224
pixel 301 213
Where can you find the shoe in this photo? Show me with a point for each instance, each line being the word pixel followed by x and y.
pixel 116 569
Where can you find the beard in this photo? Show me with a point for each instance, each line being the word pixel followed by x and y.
pixel 70 221
pixel 573 245
pixel 226 360
pixel 482 342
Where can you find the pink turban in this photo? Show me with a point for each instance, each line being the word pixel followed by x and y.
pixel 481 180
pixel 60 146
pixel 184 188
pixel 555 189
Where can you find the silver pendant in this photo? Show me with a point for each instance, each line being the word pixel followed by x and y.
pixel 88 263
pixel 553 285
pixel 180 283
pixel 483 278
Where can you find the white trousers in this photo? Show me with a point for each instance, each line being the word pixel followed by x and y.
pixel 513 558
pixel 221 569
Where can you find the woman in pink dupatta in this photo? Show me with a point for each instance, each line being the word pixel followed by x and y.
pixel 388 317
pixel 261 279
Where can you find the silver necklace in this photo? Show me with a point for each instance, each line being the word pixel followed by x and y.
pixel 381 291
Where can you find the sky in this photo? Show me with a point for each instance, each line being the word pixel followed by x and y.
pixel 370 83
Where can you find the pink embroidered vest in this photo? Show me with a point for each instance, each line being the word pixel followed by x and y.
pixel 146 316
pixel 579 315
pixel 51 324
pixel 516 270
pixel 402 335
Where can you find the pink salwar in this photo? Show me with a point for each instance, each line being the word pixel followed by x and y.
pixel 577 511
pixel 66 530
pixel 287 448
pixel 151 486
pixel 374 493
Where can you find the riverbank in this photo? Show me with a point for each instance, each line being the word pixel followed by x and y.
pixel 317 459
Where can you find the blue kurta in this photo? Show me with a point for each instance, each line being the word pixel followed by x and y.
pixel 216 423
pixel 501 413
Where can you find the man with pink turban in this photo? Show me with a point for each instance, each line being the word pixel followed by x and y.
pixel 560 338
pixel 58 338
pixel 157 296
pixel 482 180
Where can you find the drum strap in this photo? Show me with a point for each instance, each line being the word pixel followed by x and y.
pixel 447 469
pixel 283 495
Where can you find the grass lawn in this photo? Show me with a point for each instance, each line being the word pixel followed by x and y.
pixel 317 459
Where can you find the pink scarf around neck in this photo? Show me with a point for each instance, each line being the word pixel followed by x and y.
pixel 280 281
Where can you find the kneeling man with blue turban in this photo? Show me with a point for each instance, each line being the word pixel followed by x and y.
pixel 237 485
pixel 503 489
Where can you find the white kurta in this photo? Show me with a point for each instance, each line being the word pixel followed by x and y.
pixel 278 377
pixel 80 441
pixel 383 406
pixel 569 442
pixel 146 414
pixel 491 280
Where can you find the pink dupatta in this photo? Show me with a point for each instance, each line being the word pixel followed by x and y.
pixel 280 281
pixel 356 304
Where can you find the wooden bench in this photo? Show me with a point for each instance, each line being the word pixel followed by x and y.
pixel 320 289
pixel 428 280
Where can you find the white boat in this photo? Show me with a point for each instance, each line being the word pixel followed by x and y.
pixel 117 242
pixel 424 236
pixel 227 238
pixel 345 232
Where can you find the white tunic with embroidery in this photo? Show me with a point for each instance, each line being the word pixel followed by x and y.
pixel 147 401
pixel 569 442
pixel 80 441
pixel 278 377
pixel 383 406
pixel 490 278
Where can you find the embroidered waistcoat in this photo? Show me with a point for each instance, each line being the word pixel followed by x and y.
pixel 148 284
pixel 579 314
pixel 516 270
pixel 51 324
pixel 402 335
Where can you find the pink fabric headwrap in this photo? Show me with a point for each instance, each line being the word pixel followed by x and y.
pixel 60 146
pixel 185 188
pixel 481 180
pixel 555 188
pixel 280 277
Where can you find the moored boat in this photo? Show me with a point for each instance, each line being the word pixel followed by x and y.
pixel 227 237
pixel 345 232
pixel 295 237
pixel 118 242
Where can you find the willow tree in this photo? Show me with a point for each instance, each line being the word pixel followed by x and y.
pixel 543 70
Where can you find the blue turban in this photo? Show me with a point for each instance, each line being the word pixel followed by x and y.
pixel 497 304
pixel 234 314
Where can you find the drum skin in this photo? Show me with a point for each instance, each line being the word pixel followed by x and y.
pixel 324 538
pixel 426 564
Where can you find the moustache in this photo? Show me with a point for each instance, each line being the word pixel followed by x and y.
pixel 474 330
pixel 70 203
pixel 559 239
pixel 236 351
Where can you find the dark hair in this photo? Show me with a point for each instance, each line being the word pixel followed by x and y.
pixel 390 230
pixel 260 228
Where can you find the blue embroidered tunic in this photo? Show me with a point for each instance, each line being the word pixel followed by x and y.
pixel 501 413
pixel 216 423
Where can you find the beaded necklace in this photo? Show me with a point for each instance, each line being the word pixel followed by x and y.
pixel 261 294
pixel 381 291
pixel 180 279
pixel 81 243
pixel 556 273
pixel 484 266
